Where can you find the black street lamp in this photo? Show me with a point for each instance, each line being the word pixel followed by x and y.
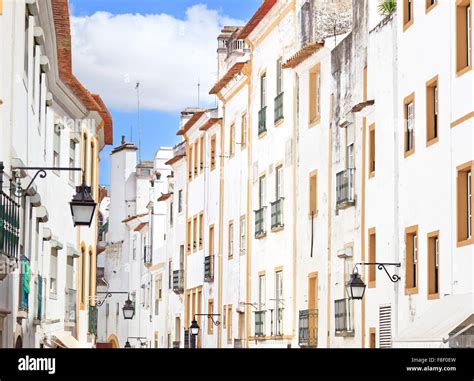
pixel 83 206
pixel 356 286
pixel 82 203
pixel 128 310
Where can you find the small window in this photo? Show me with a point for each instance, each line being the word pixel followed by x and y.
pixel 372 257
pixel 407 13
pixel 262 192
pixel 195 233
pixel 372 150
pixel 231 240
pixel 171 213
pixel 72 159
pixel 411 260
pixel 213 152
pixel 263 91
pixel 201 230
pixel 243 127
pixel 243 235
pixel 53 272
pixel 464 203
pixel 463 35
pixel 190 162
pixel 315 95
pixel 57 146
pixel 201 154
pixel 432 121
pixel 409 113
pixel 211 240
pixel 313 194
pixel 196 158
pixel 92 168
pixel 210 310
pixel 229 324
pixel 279 76
pixel 433 265
pixel 189 237
pixel 261 292
pixel 180 201
pixel 279 182
pixel 85 166
pixel 430 4
pixel 232 141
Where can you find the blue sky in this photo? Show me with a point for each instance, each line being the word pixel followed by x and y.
pixel 158 123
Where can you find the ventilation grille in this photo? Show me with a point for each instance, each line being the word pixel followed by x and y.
pixel 385 327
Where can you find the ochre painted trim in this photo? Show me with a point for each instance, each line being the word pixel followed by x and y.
pixel 431 296
pixel 413 230
pixel 372 283
pixel 429 7
pixel 362 240
pixel 462 119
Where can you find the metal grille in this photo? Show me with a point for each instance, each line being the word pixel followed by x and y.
pixel 260 222
pixel 385 326
pixel 277 213
pixel 308 328
pixel 279 107
pixel 260 323
pixel 209 268
pixel 262 120
pixel 345 187
pixel 9 226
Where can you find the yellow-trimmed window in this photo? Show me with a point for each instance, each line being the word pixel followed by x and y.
pixel 315 95
pixel 188 237
pixel 433 265
pixel 229 324
pixel 213 152
pixel 372 257
pixel 190 162
pixel 411 260
pixel 210 310
pixel 432 121
pixel 195 233
pixel 463 35
pixel 201 230
pixel 201 154
pixel 313 194
pixel 232 141
pixel 409 115
pixel 231 239
pixel 243 132
pixel 408 13
pixel 464 203
pixel 372 150
pixel 196 158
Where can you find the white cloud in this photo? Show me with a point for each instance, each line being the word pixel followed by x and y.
pixel 167 55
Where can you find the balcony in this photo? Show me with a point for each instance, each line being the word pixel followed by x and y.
pixel 260 223
pixel 345 189
pixel 70 306
pixel 343 317
pixel 178 281
pixel 209 268
pixel 279 107
pixel 259 323
pixel 236 46
pixel 93 320
pixel 9 231
pixel 308 329
pixel 147 255
pixel 277 214
pixel 262 121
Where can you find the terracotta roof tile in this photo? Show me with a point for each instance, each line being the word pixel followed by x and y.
pixel 210 123
pixel 63 43
pixel 174 159
pixel 256 18
pixel 190 122
pixel 302 55
pixel 231 73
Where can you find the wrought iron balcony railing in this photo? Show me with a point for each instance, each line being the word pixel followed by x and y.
pixel 308 328
pixel 178 281
pixel 260 222
pixel 9 226
pixel 279 107
pixel 209 268
pixel 277 214
pixel 70 306
pixel 262 120
pixel 259 323
pixel 345 188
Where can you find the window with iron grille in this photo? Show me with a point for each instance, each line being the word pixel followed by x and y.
pixel 343 316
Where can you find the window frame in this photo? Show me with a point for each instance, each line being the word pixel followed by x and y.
pixel 411 285
pixel 410 99
pixel 432 111
pixel 433 244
